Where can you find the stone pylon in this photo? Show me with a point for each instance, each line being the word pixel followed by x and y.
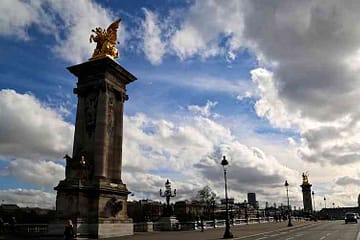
pixel 306 190
pixel 92 194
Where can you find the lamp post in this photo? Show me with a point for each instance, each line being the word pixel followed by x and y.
pixel 313 195
pixel 213 204
pixel 227 233
pixel 288 203
pixel 246 212
pixel 325 201
pixel 167 195
pixel 231 214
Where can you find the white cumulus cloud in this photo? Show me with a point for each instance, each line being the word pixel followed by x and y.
pixel 45 174
pixel 205 110
pixel 154 48
pixel 192 149
pixel 28 129
pixel 29 198
pixel 69 22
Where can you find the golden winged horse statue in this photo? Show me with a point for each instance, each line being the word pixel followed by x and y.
pixel 105 41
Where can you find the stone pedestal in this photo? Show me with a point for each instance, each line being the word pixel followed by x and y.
pixel 144 227
pixel 306 190
pixel 92 194
pixel 168 223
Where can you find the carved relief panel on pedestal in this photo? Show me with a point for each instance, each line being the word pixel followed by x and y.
pixel 90 112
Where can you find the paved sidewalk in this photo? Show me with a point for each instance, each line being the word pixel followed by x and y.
pixel 217 233
pixel 239 232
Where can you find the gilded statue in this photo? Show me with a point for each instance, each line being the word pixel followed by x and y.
pixel 305 178
pixel 105 41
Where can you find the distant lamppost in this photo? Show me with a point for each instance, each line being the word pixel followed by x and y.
pixel 325 201
pixel 213 204
pixel 168 194
pixel 288 203
pixel 227 233
pixel 313 195
pixel 231 214
pixel 246 212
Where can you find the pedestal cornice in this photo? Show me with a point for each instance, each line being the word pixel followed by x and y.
pixel 101 66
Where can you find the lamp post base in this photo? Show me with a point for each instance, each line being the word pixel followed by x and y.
pixel 290 224
pixel 227 233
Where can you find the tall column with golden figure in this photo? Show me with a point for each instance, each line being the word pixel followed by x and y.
pixel 92 194
pixel 306 190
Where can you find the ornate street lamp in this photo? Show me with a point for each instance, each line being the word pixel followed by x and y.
pixel 325 201
pixel 288 203
pixel 227 233
pixel 168 194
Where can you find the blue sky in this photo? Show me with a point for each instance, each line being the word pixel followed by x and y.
pixel 272 86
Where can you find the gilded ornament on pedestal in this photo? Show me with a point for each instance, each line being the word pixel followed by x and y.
pixel 105 41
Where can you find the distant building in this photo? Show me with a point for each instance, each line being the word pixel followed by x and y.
pixel 26 215
pixel 144 210
pixel 337 213
pixel 191 210
pixel 9 207
pixel 252 199
pixel 230 201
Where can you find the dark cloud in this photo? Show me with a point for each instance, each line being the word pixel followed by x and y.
pixel 242 179
pixel 309 42
pixel 343 181
pixel 312 49
pixel 330 144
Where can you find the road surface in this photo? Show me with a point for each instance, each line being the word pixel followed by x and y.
pixel 325 230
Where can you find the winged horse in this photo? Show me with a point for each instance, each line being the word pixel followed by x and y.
pixel 105 41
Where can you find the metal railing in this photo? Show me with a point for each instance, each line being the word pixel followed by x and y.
pixel 196 225
pixel 38 229
pixel 25 229
pixel 31 228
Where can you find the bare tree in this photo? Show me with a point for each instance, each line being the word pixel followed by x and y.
pixel 205 195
